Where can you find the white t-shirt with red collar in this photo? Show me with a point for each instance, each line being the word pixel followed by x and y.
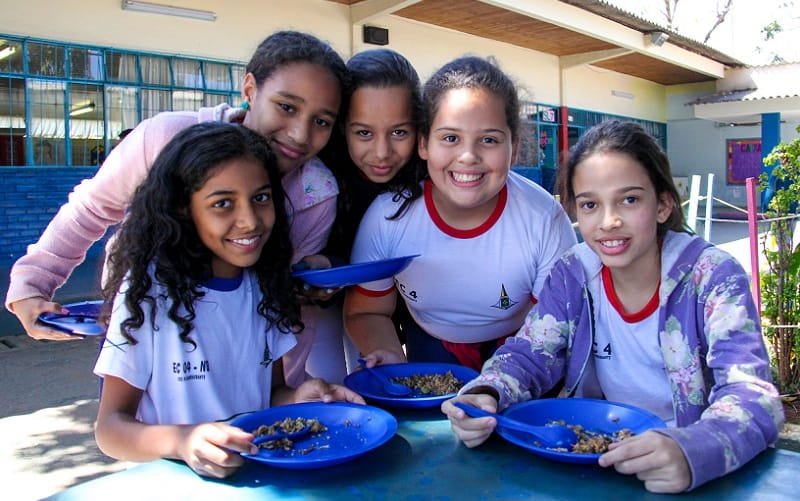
pixel 474 285
pixel 627 355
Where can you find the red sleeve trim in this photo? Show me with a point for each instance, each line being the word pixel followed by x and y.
pixel 369 293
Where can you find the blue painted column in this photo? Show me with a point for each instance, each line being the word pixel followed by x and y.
pixel 770 137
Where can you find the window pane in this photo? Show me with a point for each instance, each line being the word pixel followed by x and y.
pixel 86 124
pixel 120 109
pixel 12 121
pixel 46 60
pixel 47 121
pixel 186 100
pixel 154 102
pixel 218 76
pixel 86 63
pixel 10 56
pixel 155 70
pixel 214 99
pixel 187 73
pixel 238 76
pixel 121 67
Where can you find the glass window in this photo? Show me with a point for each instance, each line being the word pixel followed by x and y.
pixel 187 100
pixel 12 121
pixel 86 63
pixel 86 124
pixel 121 67
pixel 45 59
pixel 217 76
pixel 238 72
pixel 187 73
pixel 63 104
pixel 47 130
pixel 121 111
pixel 214 99
pixel 154 102
pixel 10 56
pixel 155 70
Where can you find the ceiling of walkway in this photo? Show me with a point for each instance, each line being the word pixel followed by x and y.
pixel 496 21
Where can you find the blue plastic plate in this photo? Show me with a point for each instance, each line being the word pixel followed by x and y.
pixel 81 319
pixel 353 274
pixel 353 430
pixel 599 416
pixel 369 387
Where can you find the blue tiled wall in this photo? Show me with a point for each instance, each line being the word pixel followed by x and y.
pixel 31 197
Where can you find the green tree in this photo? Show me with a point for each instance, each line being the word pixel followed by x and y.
pixel 780 282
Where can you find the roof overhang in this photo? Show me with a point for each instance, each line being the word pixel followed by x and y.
pixel 747 93
pixel 577 31
pixel 748 112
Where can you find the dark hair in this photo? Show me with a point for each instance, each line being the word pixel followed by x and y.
pixel 382 68
pixel 629 138
pixel 159 239
pixel 378 68
pixel 471 72
pixel 286 47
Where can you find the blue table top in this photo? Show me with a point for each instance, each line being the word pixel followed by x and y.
pixel 424 460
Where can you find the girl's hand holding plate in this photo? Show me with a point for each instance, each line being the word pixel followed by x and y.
pixel 308 293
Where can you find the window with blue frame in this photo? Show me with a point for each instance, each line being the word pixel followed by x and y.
pixel 65 104
pixel 537 156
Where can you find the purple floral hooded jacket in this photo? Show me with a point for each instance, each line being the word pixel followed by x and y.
pixel 726 408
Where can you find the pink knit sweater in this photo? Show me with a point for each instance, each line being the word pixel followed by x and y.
pixel 100 202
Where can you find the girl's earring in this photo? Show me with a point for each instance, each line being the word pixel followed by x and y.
pixel 245 105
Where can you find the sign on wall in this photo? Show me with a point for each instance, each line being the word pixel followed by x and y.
pixel 744 159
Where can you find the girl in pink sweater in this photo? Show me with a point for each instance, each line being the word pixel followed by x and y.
pixel 292 94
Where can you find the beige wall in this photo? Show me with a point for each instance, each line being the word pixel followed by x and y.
pixel 242 24
pixel 537 74
pixel 429 47
pixel 590 88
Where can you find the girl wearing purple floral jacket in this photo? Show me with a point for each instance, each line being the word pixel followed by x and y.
pixel 643 313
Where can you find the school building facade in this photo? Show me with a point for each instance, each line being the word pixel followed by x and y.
pixel 73 75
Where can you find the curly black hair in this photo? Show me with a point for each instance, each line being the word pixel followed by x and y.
pixel 158 239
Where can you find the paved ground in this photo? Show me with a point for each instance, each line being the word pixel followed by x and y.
pixel 48 398
pixel 48 402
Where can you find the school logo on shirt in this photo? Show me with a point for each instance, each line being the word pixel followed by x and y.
pixel 504 302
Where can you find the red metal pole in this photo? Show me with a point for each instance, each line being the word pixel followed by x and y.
pixel 752 225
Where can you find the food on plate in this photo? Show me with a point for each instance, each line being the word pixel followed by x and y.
pixel 287 425
pixel 431 384
pixel 590 442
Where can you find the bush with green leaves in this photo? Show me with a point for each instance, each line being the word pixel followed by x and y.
pixel 780 281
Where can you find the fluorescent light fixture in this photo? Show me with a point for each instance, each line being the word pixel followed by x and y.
pixel 622 94
pixel 7 51
pixel 169 10
pixel 81 108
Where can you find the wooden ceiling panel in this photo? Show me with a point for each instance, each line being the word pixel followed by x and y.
pixel 487 21
pixel 642 66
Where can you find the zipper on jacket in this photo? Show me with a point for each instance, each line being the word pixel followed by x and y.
pixel 590 307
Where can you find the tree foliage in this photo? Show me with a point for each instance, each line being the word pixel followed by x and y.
pixel 780 282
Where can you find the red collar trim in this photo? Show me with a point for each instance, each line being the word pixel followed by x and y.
pixel 455 232
pixel 631 318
